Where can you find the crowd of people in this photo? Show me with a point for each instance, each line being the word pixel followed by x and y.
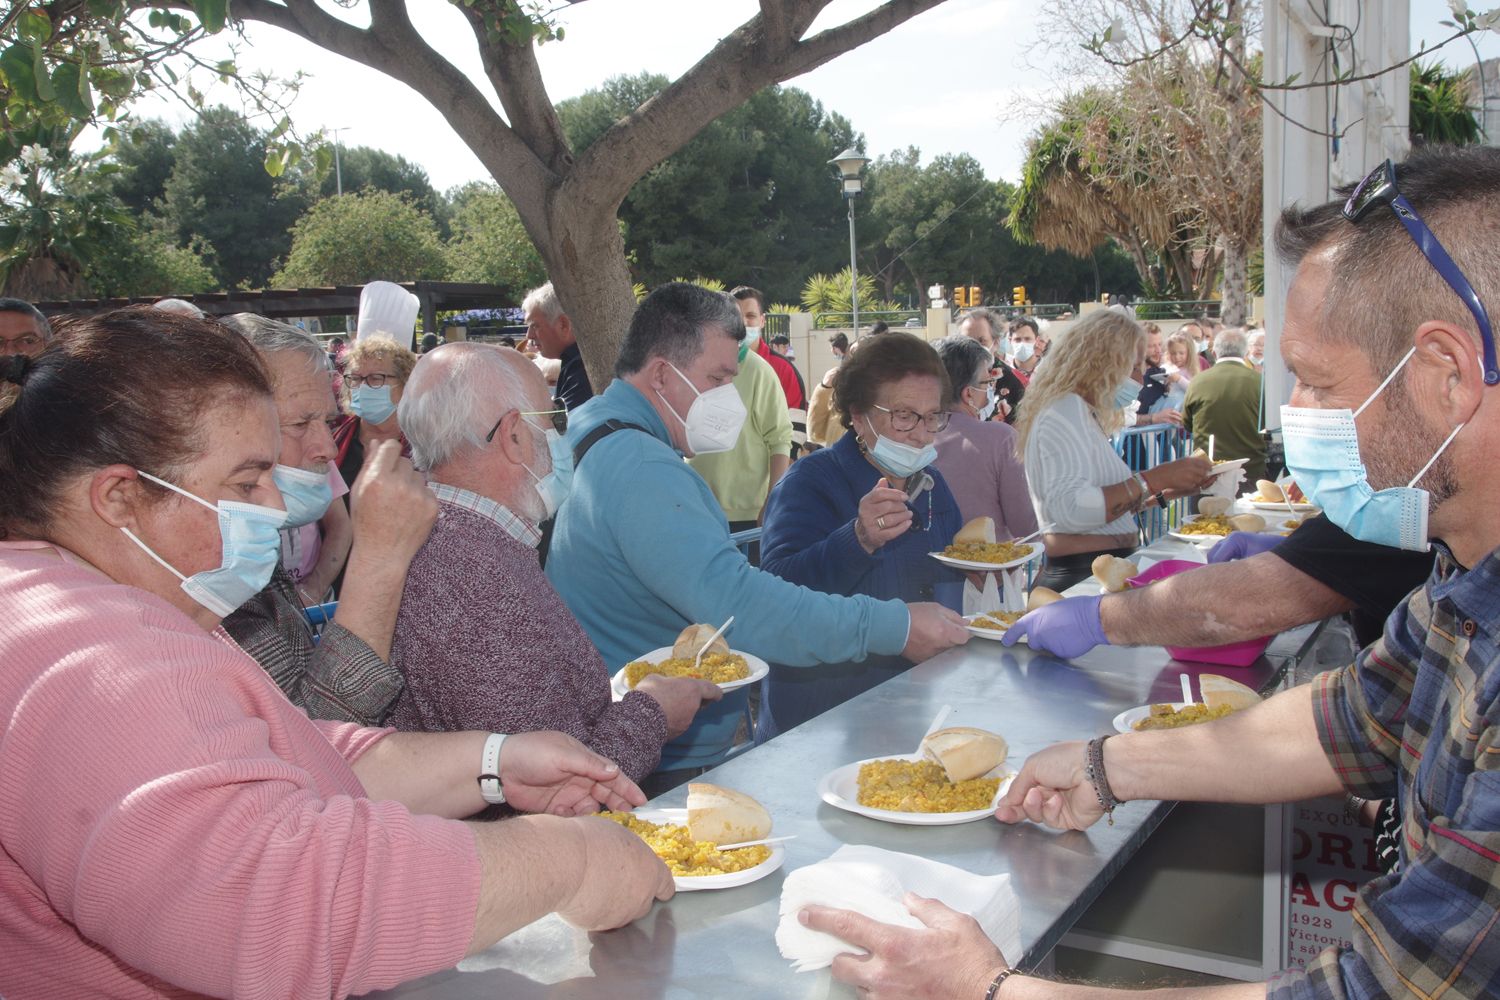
pixel 213 780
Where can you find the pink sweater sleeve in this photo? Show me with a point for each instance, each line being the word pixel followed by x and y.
pixel 176 810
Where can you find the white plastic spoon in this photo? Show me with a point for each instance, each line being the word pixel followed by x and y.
pixel 1187 688
pixel 699 660
pixel 756 843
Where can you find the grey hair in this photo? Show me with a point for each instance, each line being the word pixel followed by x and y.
pixel 182 306
pixel 269 336
pixel 27 309
pixel 672 323
pixel 965 359
pixel 454 396
pixel 998 327
pixel 1231 342
pixel 544 298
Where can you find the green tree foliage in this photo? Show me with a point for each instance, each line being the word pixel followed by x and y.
pixel 363 237
pixel 489 243
pixel 145 158
pixel 1440 106
pixel 365 167
pixel 751 198
pixel 219 191
pixel 147 262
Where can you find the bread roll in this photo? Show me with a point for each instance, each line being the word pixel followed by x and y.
pixel 981 529
pixel 1219 690
pixel 692 638
pixel 725 816
pixel 964 752
pixel 1246 522
pixel 1112 571
pixel 1041 597
pixel 1269 491
pixel 1214 506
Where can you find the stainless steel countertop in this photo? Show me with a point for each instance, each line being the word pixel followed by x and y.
pixel 720 944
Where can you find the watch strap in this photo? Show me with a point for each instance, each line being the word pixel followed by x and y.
pixel 489 770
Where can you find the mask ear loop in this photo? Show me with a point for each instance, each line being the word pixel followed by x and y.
pixel 1436 455
pixel 146 549
pixel 1381 387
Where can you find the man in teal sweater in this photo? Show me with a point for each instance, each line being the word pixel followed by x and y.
pixel 641 548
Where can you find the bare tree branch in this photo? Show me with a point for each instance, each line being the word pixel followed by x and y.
pixel 722 80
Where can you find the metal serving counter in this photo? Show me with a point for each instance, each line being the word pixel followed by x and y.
pixel 720 943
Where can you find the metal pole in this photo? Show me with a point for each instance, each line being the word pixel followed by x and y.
pixel 853 272
pixel 338 170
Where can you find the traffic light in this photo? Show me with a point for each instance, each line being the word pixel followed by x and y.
pixel 975 299
pixel 1018 295
pixel 961 297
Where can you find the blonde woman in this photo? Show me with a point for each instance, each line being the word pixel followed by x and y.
pixel 1079 486
pixel 375 374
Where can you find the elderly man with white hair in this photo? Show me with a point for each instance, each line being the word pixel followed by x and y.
pixel 551 330
pixel 1225 402
pixel 482 639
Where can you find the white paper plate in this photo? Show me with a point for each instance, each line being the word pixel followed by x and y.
pixel 984 633
pixel 1126 720
pixel 1222 467
pixel 1300 506
pixel 840 789
pixel 691 883
pixel 1196 539
pixel 758 669
pixel 1036 553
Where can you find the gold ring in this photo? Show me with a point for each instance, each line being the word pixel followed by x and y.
pixel 881 521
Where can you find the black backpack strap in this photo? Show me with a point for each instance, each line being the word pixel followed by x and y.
pixel 598 434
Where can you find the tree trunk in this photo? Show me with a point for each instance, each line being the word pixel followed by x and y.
pixel 1235 306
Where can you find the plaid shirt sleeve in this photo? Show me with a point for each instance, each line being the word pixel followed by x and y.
pixel 1429 930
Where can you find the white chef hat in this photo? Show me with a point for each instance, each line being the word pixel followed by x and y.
pixel 387 308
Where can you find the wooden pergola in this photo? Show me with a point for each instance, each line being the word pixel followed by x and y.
pixel 288 303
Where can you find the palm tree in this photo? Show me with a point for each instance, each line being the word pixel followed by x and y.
pixel 1440 108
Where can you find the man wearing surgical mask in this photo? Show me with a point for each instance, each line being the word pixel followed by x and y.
pixel 1393 428
pixel 641 549
pixel 482 640
pixel 346 675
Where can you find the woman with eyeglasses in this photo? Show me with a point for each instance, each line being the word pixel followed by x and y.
pixel 1079 485
pixel 375 374
pixel 860 516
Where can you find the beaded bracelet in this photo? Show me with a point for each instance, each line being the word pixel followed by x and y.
pixel 1001 977
pixel 1094 768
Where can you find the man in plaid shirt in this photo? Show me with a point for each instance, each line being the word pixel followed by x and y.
pixel 1391 283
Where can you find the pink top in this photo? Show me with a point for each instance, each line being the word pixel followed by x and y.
pixel 170 823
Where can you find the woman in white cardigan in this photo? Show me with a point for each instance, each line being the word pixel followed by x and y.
pixel 1079 486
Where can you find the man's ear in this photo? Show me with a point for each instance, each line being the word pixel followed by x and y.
pixel 1450 370
pixel 116 493
pixel 510 438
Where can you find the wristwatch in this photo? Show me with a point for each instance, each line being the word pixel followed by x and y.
pixel 489 770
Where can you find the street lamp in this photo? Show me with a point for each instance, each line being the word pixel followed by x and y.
pixel 338 168
pixel 851 164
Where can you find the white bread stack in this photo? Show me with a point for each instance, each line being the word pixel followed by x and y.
pixel 1218 690
pixel 1112 571
pixel 980 530
pixel 692 638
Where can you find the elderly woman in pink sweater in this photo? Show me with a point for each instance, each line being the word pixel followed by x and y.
pixel 169 822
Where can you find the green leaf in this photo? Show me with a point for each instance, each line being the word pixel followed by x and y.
pixel 275 165
pixel 44 91
pixel 34 26
pixel 323 159
pixel 72 88
pixel 16 69
pixel 212 14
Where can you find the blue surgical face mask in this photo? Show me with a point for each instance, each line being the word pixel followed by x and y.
pixel 372 405
pixel 307 495
pixel 251 537
pixel 1024 350
pixel 553 488
pixel 1126 393
pixel 1322 455
pixel 1002 347
pixel 900 460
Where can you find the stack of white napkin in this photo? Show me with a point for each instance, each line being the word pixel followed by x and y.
pixel 1227 485
pixel 872 882
pixel 1002 592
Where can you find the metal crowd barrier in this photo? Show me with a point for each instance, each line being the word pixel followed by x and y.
pixel 1144 448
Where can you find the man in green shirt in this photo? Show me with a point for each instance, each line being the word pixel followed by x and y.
pixel 1225 402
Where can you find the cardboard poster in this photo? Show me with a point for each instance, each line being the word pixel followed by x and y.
pixel 1332 856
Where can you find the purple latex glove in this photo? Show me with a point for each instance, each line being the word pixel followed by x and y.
pixel 1240 544
pixel 1066 628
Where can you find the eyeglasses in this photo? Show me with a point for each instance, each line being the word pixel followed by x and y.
pixel 1379 188
pixel 559 419
pixel 374 381
pixel 19 345
pixel 905 420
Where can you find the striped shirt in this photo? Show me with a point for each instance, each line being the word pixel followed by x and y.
pixel 1069 462
pixel 1415 718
